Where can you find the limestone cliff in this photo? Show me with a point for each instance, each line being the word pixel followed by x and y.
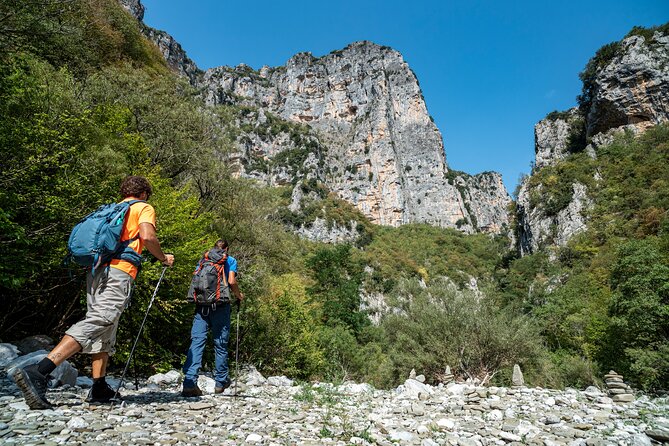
pixel 625 88
pixel 486 201
pixel 556 136
pixel 174 54
pixel 384 153
pixel 355 120
pixel 632 88
pixel 135 8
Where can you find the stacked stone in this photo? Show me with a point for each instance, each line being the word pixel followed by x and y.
pixel 448 376
pixel 617 389
pixel 473 400
pixel 517 379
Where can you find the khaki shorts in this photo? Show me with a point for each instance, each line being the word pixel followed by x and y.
pixel 106 295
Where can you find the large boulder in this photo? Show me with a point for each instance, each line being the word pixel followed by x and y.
pixel 34 343
pixel 65 374
pixel 171 377
pixel 415 389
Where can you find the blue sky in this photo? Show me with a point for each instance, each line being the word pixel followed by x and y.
pixel 489 70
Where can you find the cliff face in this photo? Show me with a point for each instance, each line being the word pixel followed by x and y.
pixel 626 88
pixel 555 137
pixel 633 88
pixel 384 153
pixel 173 53
pixel 354 120
pixel 486 201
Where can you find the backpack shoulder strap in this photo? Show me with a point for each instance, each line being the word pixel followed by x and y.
pixel 130 203
pixel 200 265
pixel 220 267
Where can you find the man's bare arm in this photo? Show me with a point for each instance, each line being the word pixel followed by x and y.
pixel 147 232
pixel 232 281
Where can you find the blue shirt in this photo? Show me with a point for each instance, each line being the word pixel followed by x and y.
pixel 230 265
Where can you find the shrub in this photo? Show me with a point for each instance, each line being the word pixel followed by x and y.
pixel 438 326
pixel 337 280
pixel 281 334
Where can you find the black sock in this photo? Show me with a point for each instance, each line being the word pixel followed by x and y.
pixel 46 366
pixel 99 382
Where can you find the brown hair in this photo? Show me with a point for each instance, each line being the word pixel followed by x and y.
pixel 133 186
pixel 221 244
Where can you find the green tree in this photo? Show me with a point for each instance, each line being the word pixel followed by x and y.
pixel 281 332
pixel 640 313
pixel 337 280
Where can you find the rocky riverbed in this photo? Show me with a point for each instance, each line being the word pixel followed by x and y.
pixel 277 411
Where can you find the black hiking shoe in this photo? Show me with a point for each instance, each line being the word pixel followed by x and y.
pixel 102 393
pixel 218 389
pixel 33 385
pixel 189 392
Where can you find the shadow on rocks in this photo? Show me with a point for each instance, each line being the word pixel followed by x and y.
pixel 157 397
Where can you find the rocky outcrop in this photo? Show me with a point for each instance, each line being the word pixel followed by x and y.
pixel 173 53
pixel 322 231
pixel 556 136
pixel 274 151
pixel 384 153
pixel 626 88
pixel 317 215
pixel 135 8
pixel 633 87
pixel 486 201
pixel 537 230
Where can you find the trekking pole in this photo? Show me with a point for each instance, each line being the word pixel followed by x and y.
pixel 239 306
pixel 134 360
pixel 141 327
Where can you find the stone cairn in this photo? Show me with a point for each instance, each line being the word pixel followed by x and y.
pixel 448 376
pixel 473 398
pixel 617 389
pixel 517 380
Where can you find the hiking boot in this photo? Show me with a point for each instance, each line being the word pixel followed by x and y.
pixel 102 393
pixel 191 391
pixel 218 389
pixel 33 385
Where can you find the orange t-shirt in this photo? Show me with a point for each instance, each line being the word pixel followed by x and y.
pixel 138 213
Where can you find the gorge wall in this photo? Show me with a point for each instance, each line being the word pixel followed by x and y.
pixel 358 124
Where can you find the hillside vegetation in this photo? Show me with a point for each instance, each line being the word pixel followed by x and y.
pixel 605 296
pixel 85 99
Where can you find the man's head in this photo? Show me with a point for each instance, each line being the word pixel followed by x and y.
pixel 221 244
pixel 135 186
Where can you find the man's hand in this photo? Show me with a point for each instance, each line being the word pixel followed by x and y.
pixel 169 260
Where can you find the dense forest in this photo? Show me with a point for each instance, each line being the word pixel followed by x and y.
pixel 85 100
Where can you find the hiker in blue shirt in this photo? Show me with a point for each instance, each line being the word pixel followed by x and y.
pixel 214 314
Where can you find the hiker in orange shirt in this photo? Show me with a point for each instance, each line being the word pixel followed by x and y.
pixel 107 293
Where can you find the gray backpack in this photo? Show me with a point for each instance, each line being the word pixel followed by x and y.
pixel 209 285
